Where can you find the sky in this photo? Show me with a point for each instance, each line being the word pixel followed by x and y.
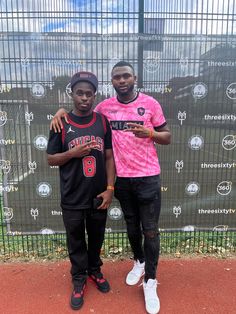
pixel 69 15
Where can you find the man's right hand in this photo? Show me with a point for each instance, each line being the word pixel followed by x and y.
pixel 56 123
pixel 83 150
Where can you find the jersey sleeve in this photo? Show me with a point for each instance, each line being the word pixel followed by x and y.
pixel 54 143
pixel 108 136
pixel 158 120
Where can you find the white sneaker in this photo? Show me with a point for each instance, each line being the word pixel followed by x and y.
pixel 135 274
pixel 152 301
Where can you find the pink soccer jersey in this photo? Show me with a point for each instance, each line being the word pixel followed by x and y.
pixel 134 157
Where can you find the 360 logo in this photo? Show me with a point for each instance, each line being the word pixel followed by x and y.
pixel 229 142
pixel 224 187
pixel 68 90
pixel 3 117
pixel 231 91
pixel 7 214
pixel 5 166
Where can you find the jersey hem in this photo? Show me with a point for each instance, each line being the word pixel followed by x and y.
pixel 140 175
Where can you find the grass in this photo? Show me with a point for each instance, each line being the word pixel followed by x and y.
pixel 116 245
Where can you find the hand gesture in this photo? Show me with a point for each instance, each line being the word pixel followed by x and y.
pixel 138 130
pixel 80 151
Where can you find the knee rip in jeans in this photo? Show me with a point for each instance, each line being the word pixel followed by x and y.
pixel 150 234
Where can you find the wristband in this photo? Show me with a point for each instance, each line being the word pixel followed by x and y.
pixel 110 187
pixel 151 133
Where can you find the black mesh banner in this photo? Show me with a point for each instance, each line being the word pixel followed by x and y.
pixel 187 64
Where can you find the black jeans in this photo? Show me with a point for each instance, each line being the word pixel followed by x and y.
pixel 84 257
pixel 140 200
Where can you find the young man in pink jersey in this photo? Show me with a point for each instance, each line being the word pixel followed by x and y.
pixel 137 123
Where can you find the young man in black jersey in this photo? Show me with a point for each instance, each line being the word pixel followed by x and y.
pixel 83 152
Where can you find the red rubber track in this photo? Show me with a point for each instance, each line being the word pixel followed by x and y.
pixel 187 286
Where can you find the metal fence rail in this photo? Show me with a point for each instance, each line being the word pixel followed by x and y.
pixel 184 55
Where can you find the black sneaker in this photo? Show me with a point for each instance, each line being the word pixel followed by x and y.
pixel 77 297
pixel 101 283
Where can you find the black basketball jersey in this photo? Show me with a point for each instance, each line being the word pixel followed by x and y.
pixel 82 179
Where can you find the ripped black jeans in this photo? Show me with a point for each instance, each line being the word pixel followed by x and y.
pixel 140 200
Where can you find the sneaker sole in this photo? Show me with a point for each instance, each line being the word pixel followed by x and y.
pixel 76 307
pixel 149 311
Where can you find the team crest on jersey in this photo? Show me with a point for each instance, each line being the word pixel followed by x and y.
pixel 141 111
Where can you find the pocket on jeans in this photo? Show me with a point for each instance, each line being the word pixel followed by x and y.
pixel 149 189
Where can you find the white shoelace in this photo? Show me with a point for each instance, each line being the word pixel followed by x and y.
pixel 141 284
